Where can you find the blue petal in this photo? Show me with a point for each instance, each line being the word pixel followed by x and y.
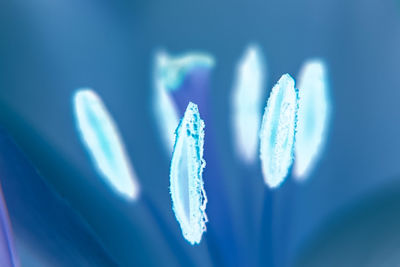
pixel 48 232
pixel 7 252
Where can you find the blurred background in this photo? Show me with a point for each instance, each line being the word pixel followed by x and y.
pixel 345 214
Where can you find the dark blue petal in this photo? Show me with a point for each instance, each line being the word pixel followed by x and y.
pixel 48 231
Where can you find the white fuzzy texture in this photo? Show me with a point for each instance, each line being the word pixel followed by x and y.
pixel 173 70
pixel 313 117
pixel 277 132
pixel 101 139
pixel 169 74
pixel 247 103
pixel 186 183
